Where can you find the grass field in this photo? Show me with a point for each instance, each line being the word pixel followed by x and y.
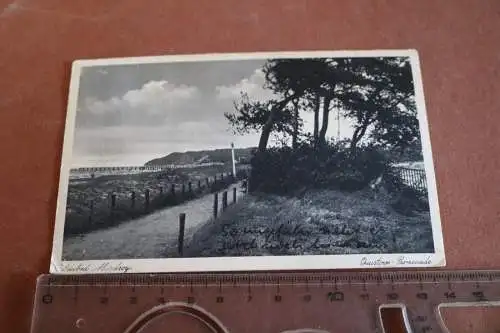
pixel 319 222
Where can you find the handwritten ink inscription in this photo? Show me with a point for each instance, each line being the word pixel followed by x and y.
pixel 401 260
pixel 106 266
pixel 293 237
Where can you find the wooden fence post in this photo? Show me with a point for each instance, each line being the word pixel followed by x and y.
pixel 183 189
pixel 172 190
pixel 190 187
pixel 146 199
pixel 234 194
pixel 91 210
pixel 132 199
pixel 224 200
pixel 208 182
pixel 216 204
pixel 182 223
pixel 113 201
pixel 113 206
pixel 199 185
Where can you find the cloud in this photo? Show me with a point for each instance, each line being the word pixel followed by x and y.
pixel 127 116
pixel 253 86
pixel 156 93
pixel 153 104
pixel 160 117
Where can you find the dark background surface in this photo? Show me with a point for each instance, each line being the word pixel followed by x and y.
pixel 459 46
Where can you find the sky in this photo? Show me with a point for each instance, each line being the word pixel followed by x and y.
pixel 130 114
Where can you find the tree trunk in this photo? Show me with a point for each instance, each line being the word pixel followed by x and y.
pixel 266 130
pixel 354 140
pixel 295 133
pixel 317 102
pixel 268 126
pixel 324 125
pixel 359 132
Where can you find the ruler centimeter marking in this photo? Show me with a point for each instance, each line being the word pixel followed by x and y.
pixel 269 302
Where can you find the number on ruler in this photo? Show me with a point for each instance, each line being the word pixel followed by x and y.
pixel 479 295
pixel 336 296
pixel 450 295
pixel 47 299
pixel 422 295
pixel 421 319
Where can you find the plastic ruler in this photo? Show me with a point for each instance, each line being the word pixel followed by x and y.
pixel 334 302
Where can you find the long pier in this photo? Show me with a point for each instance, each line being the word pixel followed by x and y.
pixel 145 167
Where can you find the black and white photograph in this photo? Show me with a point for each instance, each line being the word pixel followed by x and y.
pixel 252 161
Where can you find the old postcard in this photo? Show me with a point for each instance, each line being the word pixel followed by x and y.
pixel 259 161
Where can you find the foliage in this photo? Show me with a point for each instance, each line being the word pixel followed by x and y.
pixel 376 93
pixel 385 104
pixel 294 172
pixel 252 115
pixel 285 170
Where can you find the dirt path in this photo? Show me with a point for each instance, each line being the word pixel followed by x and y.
pixel 151 236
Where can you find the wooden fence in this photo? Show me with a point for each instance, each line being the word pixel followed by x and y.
pixel 217 208
pixel 115 207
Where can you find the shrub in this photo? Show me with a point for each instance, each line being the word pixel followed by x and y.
pixel 283 170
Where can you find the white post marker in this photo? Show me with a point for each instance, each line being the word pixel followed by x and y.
pixel 234 162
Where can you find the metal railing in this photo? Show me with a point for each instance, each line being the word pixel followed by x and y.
pixel 412 177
